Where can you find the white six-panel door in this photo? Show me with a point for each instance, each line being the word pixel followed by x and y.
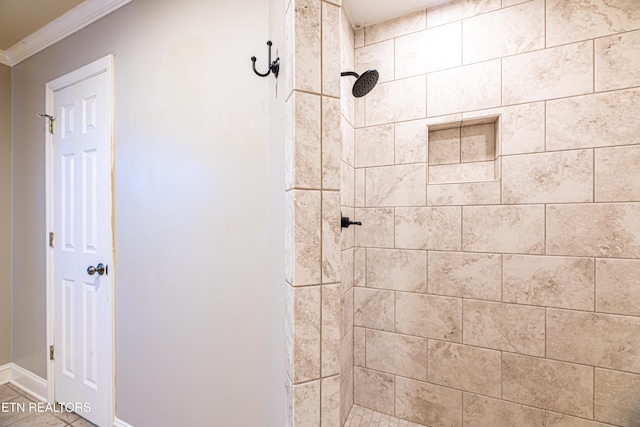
pixel 82 223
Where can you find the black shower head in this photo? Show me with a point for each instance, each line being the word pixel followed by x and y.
pixel 365 82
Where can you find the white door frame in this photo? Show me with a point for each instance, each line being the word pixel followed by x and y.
pixel 103 65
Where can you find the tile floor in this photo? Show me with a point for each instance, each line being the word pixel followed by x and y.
pixel 365 417
pixel 11 394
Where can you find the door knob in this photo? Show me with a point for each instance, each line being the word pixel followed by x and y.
pixel 100 269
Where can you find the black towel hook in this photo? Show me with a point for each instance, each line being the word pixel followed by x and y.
pixel 273 66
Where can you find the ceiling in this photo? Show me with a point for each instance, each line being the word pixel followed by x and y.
pixel 20 18
pixel 369 12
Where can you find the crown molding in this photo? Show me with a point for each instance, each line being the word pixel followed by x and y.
pixel 74 20
pixel 3 58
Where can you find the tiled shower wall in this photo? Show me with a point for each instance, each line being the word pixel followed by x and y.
pixel 509 297
pixel 347 121
pixel 312 212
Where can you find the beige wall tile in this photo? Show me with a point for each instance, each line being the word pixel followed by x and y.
pixel 359 184
pixel 523 128
pixel 428 228
pixel 459 9
pixel 554 419
pixel 359 116
pixel 306 46
pixel 616 399
pixel 396 101
pixel 507 3
pixel 429 316
pixel 303 318
pixel 331 141
pixel 444 146
pixel 507 229
pixel 396 27
pixel 504 32
pixel 346 352
pixel 478 143
pixel 447 121
pixel 618 286
pixel 346 311
pixel 464 367
pixel 549 281
pixel 617 174
pixel 462 172
pixel 546 74
pixel 346 268
pixel 547 384
pixel 465 274
pixel 377 56
pixel 599 120
pixel 374 308
pixel 572 21
pixel 305 243
pixel 374 146
pixel 303 154
pixel 467 193
pixel 347 34
pixel 330 401
pixel 346 395
pixel 359 346
pixel 331 237
pixel 306 404
pixel 348 141
pixel 603 340
pixel 472 87
pixel 347 234
pixel 397 269
pixel 560 177
pixel 330 47
pixel 373 389
pixel 508 327
pixel 359 266
pixel 481 411
pixel 358 37
pixel 330 331
pixel 617 61
pixel 398 185
pixel 377 227
pixel 602 230
pixel 427 403
pixel 347 184
pixel 430 50
pixel 411 142
pixel 397 354
pixel 347 100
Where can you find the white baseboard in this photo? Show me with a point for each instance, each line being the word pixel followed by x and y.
pixel 120 423
pixel 29 382
pixel 5 373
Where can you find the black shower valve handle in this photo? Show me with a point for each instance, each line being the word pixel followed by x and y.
pixel 345 222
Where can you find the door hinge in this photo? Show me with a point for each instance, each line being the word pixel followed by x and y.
pixel 52 352
pixel 51 121
pixel 51 237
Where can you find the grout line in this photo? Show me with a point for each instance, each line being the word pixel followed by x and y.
pixel 595 285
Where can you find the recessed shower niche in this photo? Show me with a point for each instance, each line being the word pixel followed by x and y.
pixel 463 151
pixel 463 164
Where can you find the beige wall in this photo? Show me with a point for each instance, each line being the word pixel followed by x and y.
pixel 5 214
pixel 194 223
pixel 499 284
